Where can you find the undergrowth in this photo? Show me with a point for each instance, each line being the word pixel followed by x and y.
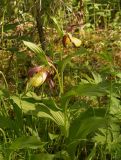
pixel 62 102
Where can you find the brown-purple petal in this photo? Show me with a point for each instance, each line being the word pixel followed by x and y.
pixel 34 70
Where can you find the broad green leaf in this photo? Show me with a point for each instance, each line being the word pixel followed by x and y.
pixel 45 156
pixel 34 107
pixel 30 106
pixel 61 120
pixel 38 51
pixel 4 122
pixel 88 122
pixel 26 142
pixel 58 117
pixel 86 126
pixel 42 156
pixel 88 89
pixel 24 104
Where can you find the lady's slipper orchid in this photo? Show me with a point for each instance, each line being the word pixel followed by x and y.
pixel 35 70
pixel 37 76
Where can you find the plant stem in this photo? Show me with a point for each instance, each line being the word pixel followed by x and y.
pixel 4 79
pixel 59 79
pixel 5 140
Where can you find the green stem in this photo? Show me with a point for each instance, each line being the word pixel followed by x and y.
pixel 4 79
pixel 94 16
pixel 62 81
pixel 59 81
pixel 61 58
pixel 10 156
pixel 2 29
pixel 5 140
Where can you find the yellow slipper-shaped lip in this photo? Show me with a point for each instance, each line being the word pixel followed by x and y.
pixel 37 76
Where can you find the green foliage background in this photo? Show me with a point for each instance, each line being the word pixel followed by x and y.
pixel 79 118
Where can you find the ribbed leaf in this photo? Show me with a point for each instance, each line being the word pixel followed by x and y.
pixel 24 104
pixel 88 122
pixel 61 120
pixel 5 122
pixel 42 156
pixel 45 156
pixel 88 89
pixel 31 107
pixel 26 142
pixel 39 52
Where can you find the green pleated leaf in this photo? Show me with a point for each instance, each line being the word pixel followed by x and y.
pixel 26 142
pixel 42 156
pixel 88 122
pixel 26 104
pixel 36 108
pixel 88 89
pixel 5 122
pixel 45 156
pixel 38 51
pixel 61 120
pixel 87 126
